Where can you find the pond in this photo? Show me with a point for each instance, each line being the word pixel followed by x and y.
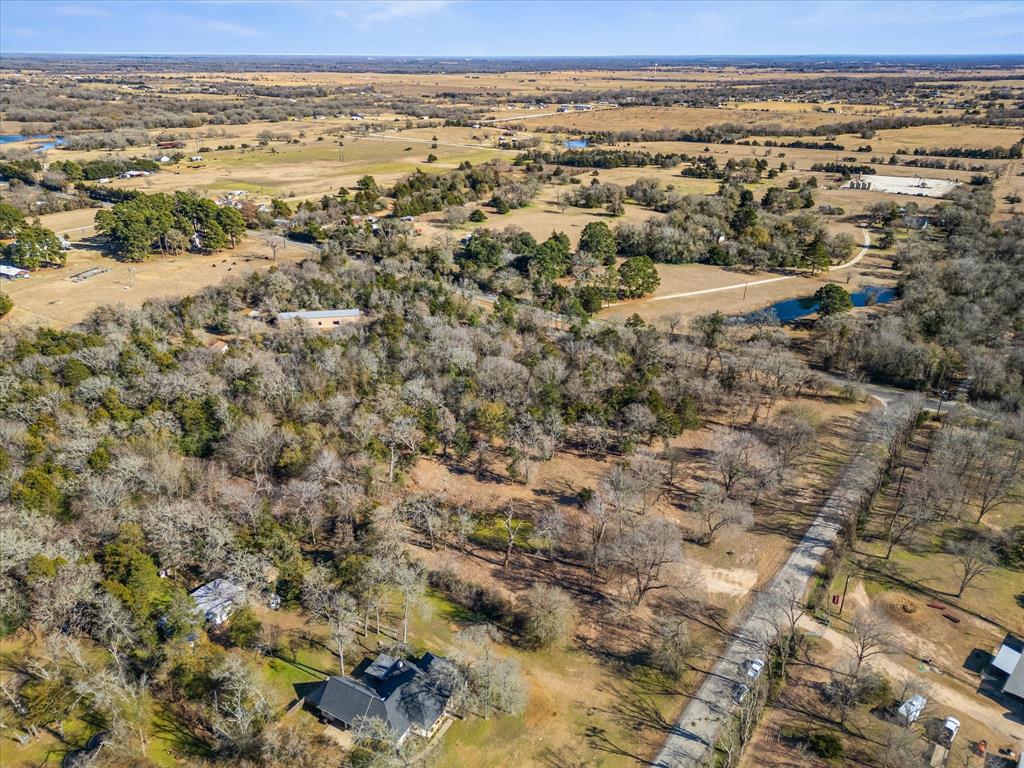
pixel 49 142
pixel 575 144
pixel 793 309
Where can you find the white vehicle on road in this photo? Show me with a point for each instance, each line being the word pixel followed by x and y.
pixel 754 667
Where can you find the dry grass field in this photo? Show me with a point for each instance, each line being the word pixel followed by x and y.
pixel 313 168
pixel 388 145
pixel 50 298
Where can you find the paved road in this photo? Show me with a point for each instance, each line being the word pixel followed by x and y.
pixel 749 283
pixel 887 395
pixel 704 717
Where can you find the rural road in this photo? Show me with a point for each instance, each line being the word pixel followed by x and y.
pixel 412 140
pixel 886 395
pixel 529 115
pixel 702 720
pixel 749 283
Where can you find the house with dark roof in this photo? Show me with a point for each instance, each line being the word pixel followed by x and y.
pixel 412 697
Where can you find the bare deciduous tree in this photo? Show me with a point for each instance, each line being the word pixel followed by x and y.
pixel 548 616
pixel 511 526
pixel 641 551
pixel 740 462
pixel 240 709
pixel 718 513
pixel 871 636
pixel 972 561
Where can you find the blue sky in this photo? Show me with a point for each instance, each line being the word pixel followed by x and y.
pixel 513 28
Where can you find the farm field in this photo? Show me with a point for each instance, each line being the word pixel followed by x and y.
pixel 50 298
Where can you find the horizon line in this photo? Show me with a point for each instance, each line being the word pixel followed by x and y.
pixel 522 56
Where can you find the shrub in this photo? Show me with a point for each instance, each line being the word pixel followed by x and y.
pixel 548 617
pixel 244 629
pixel 825 744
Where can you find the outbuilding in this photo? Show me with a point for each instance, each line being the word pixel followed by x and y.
pixel 13 273
pixel 216 601
pixel 322 319
pixel 1007 665
pixel 911 709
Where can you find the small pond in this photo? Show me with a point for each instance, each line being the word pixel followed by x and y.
pixel 49 142
pixel 793 309
pixel 575 144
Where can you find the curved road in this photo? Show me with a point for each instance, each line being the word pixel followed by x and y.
pixel 735 286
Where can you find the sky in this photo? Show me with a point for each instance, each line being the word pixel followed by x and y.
pixel 514 27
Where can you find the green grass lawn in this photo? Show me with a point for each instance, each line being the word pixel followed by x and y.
pixel 582 710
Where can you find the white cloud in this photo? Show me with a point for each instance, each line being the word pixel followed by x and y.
pixel 229 28
pixel 81 11
pixel 388 10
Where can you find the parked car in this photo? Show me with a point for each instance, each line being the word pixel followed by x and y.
pixel 739 692
pixel 950 729
pixel 754 667
pixel 912 708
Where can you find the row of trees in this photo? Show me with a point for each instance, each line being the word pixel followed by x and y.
pixel 506 260
pixel 145 224
pixel 730 228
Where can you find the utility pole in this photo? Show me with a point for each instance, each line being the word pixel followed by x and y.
pixel 843 601
pixel 900 486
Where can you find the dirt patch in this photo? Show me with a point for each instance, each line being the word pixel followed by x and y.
pixel 738 581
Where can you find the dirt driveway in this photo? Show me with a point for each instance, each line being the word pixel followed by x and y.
pixel 992 715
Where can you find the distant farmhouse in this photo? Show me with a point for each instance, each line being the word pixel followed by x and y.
pixel 322 319
pixel 411 697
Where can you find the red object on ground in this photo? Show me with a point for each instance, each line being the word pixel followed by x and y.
pixel 952 618
pixel 937 605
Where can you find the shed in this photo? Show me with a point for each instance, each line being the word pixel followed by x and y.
pixel 13 273
pixel 1008 662
pixel 322 319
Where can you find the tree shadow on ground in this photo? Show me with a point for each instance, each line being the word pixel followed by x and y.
pixel 184 737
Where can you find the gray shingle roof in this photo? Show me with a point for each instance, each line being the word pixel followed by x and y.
pixel 218 598
pixel 401 693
